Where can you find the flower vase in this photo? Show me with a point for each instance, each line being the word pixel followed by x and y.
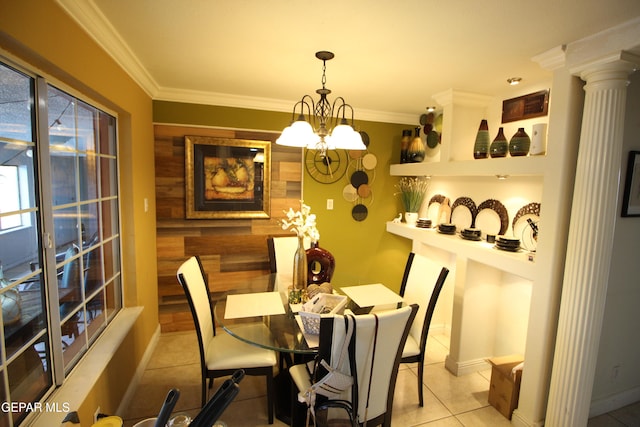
pixel 299 285
pixel 499 147
pixel 404 145
pixel 416 150
pixel 321 264
pixel 411 218
pixel 519 143
pixel 481 145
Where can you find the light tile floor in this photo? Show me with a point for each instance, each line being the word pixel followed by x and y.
pixel 450 401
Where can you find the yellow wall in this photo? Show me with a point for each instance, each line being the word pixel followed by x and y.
pixel 364 251
pixel 38 33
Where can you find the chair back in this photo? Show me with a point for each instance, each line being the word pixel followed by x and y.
pixel 192 278
pixel 421 284
pixel 372 393
pixel 281 252
pixel 71 271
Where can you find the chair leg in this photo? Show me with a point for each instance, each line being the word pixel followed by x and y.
pixel 204 391
pixel 420 385
pixel 270 393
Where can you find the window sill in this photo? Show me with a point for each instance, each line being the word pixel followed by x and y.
pixel 84 376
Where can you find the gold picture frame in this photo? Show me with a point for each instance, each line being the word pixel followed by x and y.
pixel 227 178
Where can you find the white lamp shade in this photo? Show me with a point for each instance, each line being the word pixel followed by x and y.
pixel 345 137
pixel 285 138
pixel 297 135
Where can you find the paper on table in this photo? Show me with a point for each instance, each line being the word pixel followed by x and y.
pixel 253 304
pixel 371 295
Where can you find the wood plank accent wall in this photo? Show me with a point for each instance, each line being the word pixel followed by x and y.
pixel 231 250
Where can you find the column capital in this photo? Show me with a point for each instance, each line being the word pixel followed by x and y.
pixel 616 66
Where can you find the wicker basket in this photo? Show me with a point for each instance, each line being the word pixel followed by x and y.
pixel 321 304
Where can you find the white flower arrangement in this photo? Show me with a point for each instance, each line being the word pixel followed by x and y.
pixel 301 222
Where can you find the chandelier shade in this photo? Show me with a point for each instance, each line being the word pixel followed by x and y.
pixel 322 125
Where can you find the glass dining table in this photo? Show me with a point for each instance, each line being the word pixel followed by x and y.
pixel 283 332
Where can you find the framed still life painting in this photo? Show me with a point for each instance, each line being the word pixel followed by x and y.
pixel 631 200
pixel 227 178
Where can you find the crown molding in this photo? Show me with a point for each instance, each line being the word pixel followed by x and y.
pixel 94 23
pixel 458 97
pixel 552 59
pixel 98 27
pixel 268 104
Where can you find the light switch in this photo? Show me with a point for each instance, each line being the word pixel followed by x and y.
pixel 329 204
pixel 146 204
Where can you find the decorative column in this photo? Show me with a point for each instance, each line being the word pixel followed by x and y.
pixel 590 243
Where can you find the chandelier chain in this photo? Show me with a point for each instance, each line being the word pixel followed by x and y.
pixel 324 75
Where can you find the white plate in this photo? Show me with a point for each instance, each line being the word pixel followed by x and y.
pixel 523 231
pixel 461 217
pixel 488 221
pixel 350 193
pixel 369 161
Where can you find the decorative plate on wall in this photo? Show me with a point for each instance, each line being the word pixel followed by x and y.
pixel 463 212
pixel 525 225
pixel 492 217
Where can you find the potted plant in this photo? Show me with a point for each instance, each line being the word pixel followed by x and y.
pixel 412 192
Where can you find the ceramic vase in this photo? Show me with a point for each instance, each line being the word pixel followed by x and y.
pixel 538 140
pixel 519 143
pixel 411 218
pixel 416 150
pixel 499 147
pixel 300 278
pixel 320 265
pixel 481 146
pixel 404 145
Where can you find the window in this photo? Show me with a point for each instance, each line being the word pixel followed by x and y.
pixel 10 201
pixel 60 269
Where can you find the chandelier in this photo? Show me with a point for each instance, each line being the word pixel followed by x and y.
pixel 326 126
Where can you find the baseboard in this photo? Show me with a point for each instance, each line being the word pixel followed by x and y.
pixel 613 402
pixel 142 366
pixel 466 367
pixel 518 420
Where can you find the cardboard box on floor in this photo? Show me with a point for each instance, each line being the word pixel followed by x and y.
pixel 504 389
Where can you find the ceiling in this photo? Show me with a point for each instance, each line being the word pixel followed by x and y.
pixel 391 56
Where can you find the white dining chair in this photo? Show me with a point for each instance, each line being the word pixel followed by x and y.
pixel 373 360
pixel 281 252
pixel 222 354
pixel 422 282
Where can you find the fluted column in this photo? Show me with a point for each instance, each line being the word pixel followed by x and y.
pixel 590 243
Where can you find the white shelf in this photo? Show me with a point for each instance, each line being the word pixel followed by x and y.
pixel 482 252
pixel 512 166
